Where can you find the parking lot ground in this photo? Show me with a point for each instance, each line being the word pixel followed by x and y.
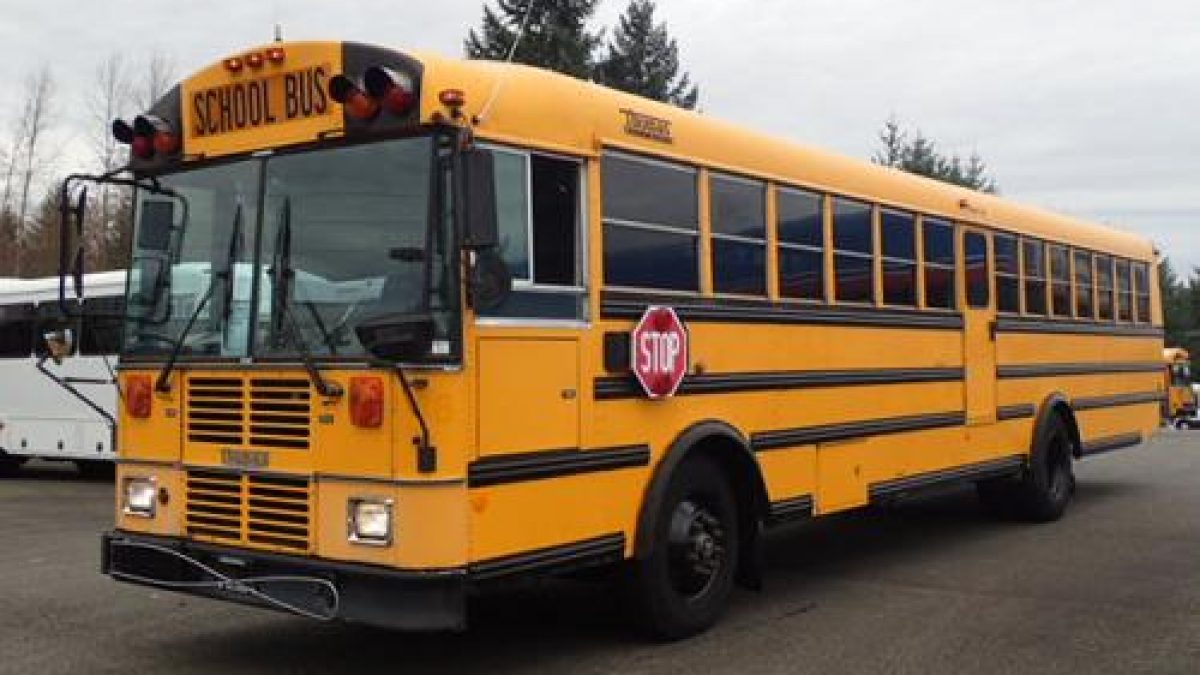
pixel 929 585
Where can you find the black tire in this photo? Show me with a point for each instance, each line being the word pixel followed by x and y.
pixel 9 465
pixel 682 586
pixel 1046 488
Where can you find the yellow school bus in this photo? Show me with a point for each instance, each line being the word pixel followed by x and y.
pixel 1177 376
pixel 400 327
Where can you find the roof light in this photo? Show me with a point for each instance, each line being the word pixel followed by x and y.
pixel 394 90
pixel 255 60
pixel 276 55
pixel 357 103
pixel 233 64
pixel 452 98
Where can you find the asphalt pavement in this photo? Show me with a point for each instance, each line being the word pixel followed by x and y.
pixel 928 585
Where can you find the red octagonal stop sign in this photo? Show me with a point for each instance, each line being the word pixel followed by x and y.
pixel 659 351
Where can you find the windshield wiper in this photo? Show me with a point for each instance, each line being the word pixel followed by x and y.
pixel 281 283
pixel 223 273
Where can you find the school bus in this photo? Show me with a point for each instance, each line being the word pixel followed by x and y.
pixel 1177 376
pixel 400 327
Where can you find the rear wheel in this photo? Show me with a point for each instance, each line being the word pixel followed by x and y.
pixel 683 584
pixel 1044 490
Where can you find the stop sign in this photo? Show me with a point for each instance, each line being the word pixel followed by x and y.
pixel 659 351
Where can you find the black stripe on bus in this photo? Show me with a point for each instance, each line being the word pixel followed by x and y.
pixel 609 548
pixel 1116 400
pixel 1054 369
pixel 1015 412
pixel 1013 324
pixel 785 438
pixel 553 464
pixel 622 305
pixel 616 387
pixel 1110 443
pixel 994 468
pixel 786 510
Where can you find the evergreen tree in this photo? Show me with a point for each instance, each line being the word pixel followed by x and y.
pixel 643 59
pixel 555 37
pixel 916 153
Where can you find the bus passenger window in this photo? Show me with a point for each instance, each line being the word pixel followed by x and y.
pixel 854 248
pixel 16 331
pixel 976 266
pixel 1124 292
pixel 1034 255
pixel 651 224
pixel 538 210
pixel 739 246
pixel 937 238
pixel 1060 281
pixel 1141 280
pixel 801 228
pixel 1008 274
pixel 899 237
pixel 1104 287
pixel 1083 285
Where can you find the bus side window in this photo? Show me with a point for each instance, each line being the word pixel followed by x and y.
pixel 739 235
pixel 1104 287
pixel 1124 292
pixel 1008 274
pixel 1060 281
pixel 854 251
pixel 1034 254
pixel 538 208
pixel 651 224
pixel 16 331
pixel 899 239
pixel 937 238
pixel 1141 280
pixel 1083 285
pixel 101 330
pixel 976 268
pixel 800 220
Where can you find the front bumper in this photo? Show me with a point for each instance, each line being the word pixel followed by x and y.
pixel 318 589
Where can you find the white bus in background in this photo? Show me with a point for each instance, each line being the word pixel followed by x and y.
pixel 59 411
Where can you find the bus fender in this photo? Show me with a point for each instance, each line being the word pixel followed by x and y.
pixel 1056 404
pixel 728 446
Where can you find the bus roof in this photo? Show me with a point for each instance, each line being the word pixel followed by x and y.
pixel 1173 354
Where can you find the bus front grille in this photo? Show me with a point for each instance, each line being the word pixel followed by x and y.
pixel 270 512
pixel 262 413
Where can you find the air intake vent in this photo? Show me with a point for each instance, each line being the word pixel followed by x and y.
pixel 215 412
pixel 270 512
pixel 279 413
pixel 275 413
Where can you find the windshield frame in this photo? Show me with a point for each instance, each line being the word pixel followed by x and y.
pixel 441 230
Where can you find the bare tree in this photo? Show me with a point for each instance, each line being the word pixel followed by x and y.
pixel 110 99
pixel 160 75
pixel 32 124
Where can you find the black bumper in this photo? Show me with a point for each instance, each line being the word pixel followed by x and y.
pixel 314 588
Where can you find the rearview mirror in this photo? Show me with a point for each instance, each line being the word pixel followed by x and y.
pixel 155 226
pixel 477 199
pixel 59 344
pixel 396 336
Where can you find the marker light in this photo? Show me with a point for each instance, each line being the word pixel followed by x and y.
pixel 394 90
pixel 233 64
pixel 366 402
pixel 254 60
pixel 276 55
pixel 452 98
pixel 139 397
pixel 357 103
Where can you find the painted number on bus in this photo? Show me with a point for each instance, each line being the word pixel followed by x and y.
pixel 659 351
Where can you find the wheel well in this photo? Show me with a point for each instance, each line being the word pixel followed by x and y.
pixel 724 445
pixel 1057 405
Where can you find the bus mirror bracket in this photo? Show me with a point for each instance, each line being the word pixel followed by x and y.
pixel 59 344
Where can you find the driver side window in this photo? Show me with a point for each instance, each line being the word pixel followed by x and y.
pixel 538 204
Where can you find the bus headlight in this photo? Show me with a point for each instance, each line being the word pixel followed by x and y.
pixel 139 494
pixel 369 521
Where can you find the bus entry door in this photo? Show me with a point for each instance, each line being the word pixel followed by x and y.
pixel 979 333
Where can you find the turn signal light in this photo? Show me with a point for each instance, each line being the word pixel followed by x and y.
pixel 366 402
pixel 139 396
pixel 360 106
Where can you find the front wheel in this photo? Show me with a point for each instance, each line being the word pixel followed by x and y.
pixel 1049 483
pixel 681 587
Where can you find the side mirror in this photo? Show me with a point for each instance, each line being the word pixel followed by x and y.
pixel 490 280
pixel 59 344
pixel 155 226
pixel 477 200
pixel 396 336
pixel 70 243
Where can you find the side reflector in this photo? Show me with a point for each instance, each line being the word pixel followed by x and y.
pixel 366 402
pixel 357 103
pixel 139 396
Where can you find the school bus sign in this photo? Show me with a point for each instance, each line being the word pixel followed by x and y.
pixel 659 354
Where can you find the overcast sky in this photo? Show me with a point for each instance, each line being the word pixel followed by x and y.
pixel 1090 107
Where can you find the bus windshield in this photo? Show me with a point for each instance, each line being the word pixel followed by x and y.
pixel 317 241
